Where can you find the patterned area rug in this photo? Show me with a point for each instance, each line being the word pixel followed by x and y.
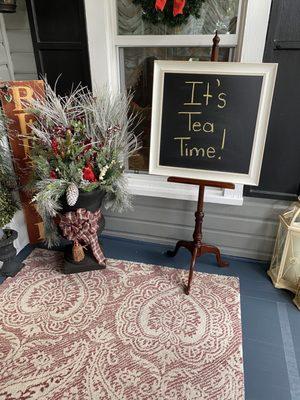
pixel 124 333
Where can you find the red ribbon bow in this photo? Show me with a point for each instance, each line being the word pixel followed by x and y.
pixel 82 226
pixel 178 6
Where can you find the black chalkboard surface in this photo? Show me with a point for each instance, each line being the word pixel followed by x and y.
pixel 208 121
pixel 210 124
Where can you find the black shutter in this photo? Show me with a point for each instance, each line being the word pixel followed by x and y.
pixel 280 175
pixel 58 30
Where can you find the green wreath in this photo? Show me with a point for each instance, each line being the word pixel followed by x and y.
pixel 166 17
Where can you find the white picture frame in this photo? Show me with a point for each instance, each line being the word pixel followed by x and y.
pixel 266 70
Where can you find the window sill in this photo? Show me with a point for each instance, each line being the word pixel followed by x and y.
pixel 157 186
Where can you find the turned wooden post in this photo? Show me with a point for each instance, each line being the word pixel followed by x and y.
pixel 196 247
pixel 199 215
pixel 215 48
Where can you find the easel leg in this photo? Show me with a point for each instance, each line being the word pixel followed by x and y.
pixel 192 267
pixel 196 247
pixel 205 248
pixel 180 243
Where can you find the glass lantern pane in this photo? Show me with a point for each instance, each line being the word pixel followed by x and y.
pixel 137 75
pixel 296 218
pixel 288 214
pixel 215 15
pixel 292 215
pixel 279 246
pixel 291 271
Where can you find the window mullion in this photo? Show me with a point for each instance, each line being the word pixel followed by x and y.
pixel 173 40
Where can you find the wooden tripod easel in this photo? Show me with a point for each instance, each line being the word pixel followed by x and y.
pixel 196 247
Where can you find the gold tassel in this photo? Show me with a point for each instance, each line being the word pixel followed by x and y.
pixel 78 252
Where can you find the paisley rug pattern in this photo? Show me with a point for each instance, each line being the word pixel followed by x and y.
pixel 124 333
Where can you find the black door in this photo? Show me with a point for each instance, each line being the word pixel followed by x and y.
pixel 280 175
pixel 58 30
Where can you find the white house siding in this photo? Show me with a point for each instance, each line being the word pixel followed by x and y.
pixel 20 43
pixel 244 231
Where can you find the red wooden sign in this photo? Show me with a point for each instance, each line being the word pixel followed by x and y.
pixel 13 103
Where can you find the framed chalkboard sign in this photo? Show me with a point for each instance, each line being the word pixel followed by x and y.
pixel 209 120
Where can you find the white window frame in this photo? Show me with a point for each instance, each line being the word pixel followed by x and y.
pixel 104 44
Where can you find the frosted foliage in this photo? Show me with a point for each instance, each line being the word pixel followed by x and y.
pixel 81 141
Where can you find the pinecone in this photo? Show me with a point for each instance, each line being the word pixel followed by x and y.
pixel 72 194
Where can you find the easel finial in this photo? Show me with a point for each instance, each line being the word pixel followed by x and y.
pixel 215 48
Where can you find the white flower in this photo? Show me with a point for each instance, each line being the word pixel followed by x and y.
pixel 103 172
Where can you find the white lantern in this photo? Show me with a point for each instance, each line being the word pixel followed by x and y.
pixel 285 265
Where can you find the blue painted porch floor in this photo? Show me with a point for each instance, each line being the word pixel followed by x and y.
pixel 271 322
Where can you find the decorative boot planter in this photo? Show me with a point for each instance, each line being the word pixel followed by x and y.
pixel 8 253
pixel 87 202
pixel 81 150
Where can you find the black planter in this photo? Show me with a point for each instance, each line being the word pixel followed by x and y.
pixel 91 201
pixel 8 253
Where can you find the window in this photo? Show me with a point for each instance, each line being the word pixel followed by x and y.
pixel 136 62
pixel 136 67
pixel 123 47
pixel 214 14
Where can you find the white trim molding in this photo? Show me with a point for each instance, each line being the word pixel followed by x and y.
pixel 7 59
pixel 103 54
pixel 255 31
pixel 174 40
pixel 157 186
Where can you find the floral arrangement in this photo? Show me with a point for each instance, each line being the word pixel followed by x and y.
pixel 169 12
pixel 80 143
pixel 8 184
